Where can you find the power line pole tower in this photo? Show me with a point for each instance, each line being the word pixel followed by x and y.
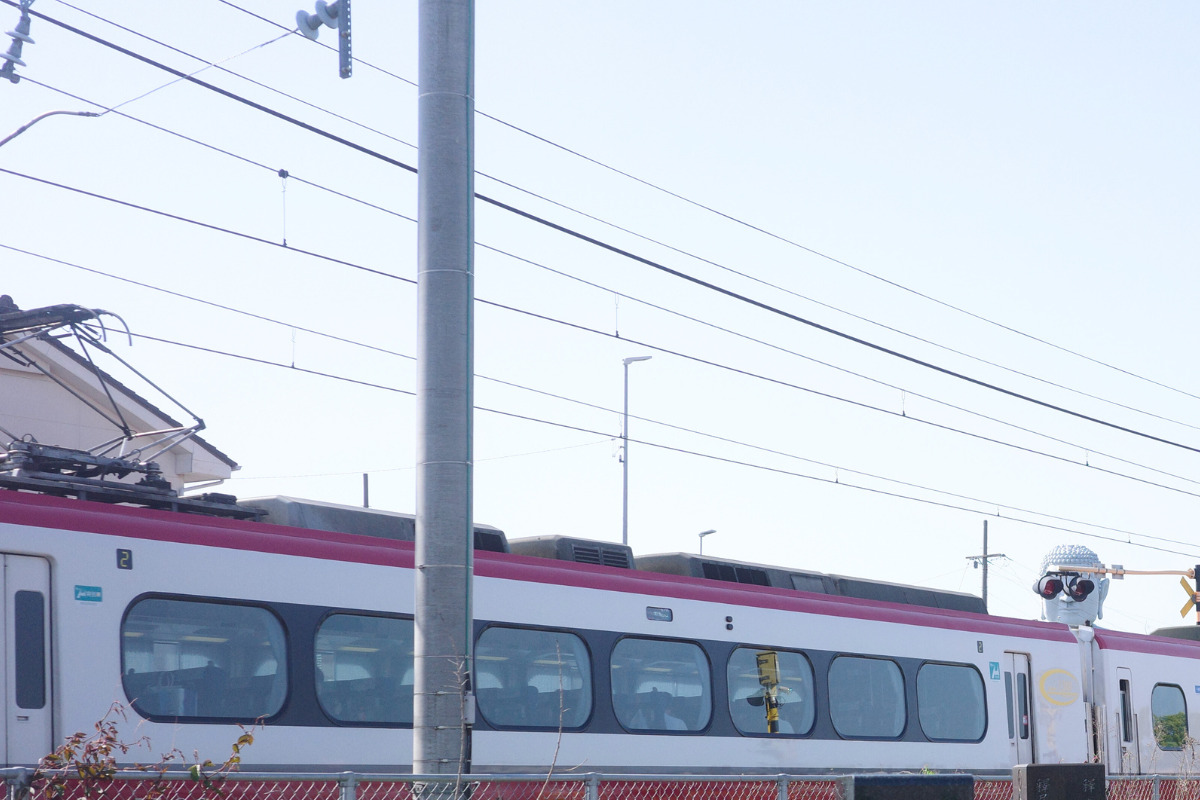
pixel 983 560
pixel 443 706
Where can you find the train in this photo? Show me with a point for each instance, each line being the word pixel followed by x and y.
pixel 298 617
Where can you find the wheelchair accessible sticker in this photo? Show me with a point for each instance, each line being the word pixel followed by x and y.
pixel 89 594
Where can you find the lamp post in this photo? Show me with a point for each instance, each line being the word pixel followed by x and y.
pixel 702 534
pixel 625 452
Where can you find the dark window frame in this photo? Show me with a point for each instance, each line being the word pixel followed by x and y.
pixel 983 706
pixel 344 612
pixel 29 645
pixel 283 661
pixel 590 676
pixel 906 715
pixel 712 705
pixel 814 697
pixel 1159 736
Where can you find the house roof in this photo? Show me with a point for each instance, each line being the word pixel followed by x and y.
pixel 15 317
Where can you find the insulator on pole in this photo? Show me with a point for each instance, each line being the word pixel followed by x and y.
pixel 331 15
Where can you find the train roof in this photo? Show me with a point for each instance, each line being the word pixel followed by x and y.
pixel 52 512
pixel 724 569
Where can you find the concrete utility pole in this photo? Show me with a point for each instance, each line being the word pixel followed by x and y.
pixel 625 451
pixel 985 557
pixel 443 706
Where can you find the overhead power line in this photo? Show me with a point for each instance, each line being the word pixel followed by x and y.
pixel 737 462
pixel 695 359
pixel 707 323
pixel 218 65
pixel 376 207
pixel 758 229
pixel 627 254
pixel 777 287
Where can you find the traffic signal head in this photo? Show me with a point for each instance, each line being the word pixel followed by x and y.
pixel 1048 586
pixel 1079 588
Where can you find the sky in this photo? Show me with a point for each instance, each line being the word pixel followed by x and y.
pixel 999 197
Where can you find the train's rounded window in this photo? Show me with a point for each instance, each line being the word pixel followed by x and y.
pixel 760 678
pixel 866 697
pixel 189 658
pixel 527 678
pixel 1169 709
pixel 660 685
pixel 364 669
pixel 950 704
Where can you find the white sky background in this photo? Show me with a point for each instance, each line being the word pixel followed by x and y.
pixel 1031 163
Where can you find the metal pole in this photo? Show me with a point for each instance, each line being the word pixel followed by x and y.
pixel 986 559
pixel 985 565
pixel 625 452
pixel 442 702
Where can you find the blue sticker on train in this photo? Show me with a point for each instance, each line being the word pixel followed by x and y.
pixel 89 594
pixel 994 671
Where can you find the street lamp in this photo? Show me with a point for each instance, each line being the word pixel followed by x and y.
pixel 702 534
pixel 625 452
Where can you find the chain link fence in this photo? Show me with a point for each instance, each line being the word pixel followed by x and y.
pixel 179 785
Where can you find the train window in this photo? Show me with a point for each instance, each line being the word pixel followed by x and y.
pixel 29 609
pixel 1023 704
pixel 190 658
pixel 528 678
pixel 1126 713
pixel 1169 710
pixel 660 685
pixel 364 669
pixel 866 697
pixel 950 703
pixel 1008 697
pixel 749 685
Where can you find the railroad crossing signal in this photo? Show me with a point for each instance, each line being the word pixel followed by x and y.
pixel 1193 598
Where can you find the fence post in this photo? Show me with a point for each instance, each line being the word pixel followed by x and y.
pixel 592 787
pixel 349 786
pixel 781 787
pixel 16 785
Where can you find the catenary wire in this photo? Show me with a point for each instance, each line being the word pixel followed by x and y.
pixel 735 462
pixel 835 260
pixel 751 226
pixel 597 286
pixel 236 156
pixel 381 470
pixel 639 259
pixel 837 309
pixel 660 308
pixel 606 334
pixel 357 60
pixel 651 305
pixel 218 65
pixel 844 370
pixel 594 218
pixel 678 354
pixel 207 65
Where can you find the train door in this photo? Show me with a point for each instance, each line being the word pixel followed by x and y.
pixel 1019 701
pixel 1125 756
pixel 25 734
